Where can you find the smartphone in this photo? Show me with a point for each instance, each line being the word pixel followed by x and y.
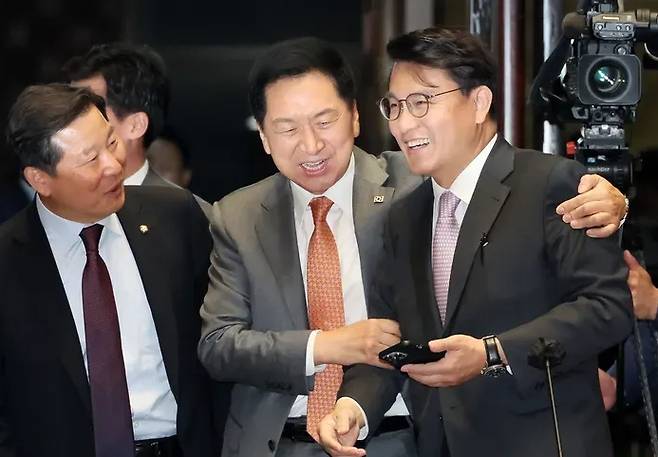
pixel 407 352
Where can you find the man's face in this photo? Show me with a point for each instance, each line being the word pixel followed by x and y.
pixel 98 86
pixel 441 143
pixel 309 130
pixel 88 181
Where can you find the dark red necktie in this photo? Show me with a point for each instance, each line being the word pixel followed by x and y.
pixel 113 430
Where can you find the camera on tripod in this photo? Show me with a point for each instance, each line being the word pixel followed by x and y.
pixel 599 82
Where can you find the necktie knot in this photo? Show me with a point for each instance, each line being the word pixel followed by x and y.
pixel 448 203
pixel 91 236
pixel 320 207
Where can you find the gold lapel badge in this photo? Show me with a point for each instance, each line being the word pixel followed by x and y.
pixel 378 199
pixel 144 229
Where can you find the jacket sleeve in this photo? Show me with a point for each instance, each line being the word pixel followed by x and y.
pixel 595 311
pixel 229 348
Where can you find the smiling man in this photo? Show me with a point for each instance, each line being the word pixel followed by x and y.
pixel 286 303
pixel 478 264
pixel 99 322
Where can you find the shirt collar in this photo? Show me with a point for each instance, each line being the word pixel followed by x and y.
pixel 137 178
pixel 340 193
pixel 66 233
pixel 463 186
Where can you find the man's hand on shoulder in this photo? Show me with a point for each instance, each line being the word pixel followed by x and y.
pixel 599 207
pixel 360 342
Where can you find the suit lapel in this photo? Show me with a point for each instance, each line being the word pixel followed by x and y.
pixel 146 247
pixel 420 235
pixel 38 262
pixel 276 232
pixel 371 200
pixel 489 196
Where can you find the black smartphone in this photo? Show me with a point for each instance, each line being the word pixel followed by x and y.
pixel 407 352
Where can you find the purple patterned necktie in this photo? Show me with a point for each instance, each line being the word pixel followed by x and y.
pixel 110 404
pixel 443 249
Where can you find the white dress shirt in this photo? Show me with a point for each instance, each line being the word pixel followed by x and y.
pixel 152 403
pixel 137 178
pixel 341 221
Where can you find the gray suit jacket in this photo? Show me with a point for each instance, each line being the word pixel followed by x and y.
pixel 152 178
pixel 255 326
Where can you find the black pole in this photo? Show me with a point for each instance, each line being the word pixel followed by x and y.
pixel 543 355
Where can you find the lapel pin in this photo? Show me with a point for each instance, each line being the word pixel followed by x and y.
pixel 144 229
pixel 378 199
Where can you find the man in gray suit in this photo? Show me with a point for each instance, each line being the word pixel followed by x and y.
pixel 258 314
pixel 256 329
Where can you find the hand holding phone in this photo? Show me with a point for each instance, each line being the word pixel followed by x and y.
pixel 406 352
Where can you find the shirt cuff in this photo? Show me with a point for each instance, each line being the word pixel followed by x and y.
pixel 311 369
pixel 363 432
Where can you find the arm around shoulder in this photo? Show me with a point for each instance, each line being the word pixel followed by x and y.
pixel 595 311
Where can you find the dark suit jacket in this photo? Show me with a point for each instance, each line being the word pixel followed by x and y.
pixel 152 178
pixel 536 277
pixel 45 406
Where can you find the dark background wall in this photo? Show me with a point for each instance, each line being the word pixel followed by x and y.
pixel 209 48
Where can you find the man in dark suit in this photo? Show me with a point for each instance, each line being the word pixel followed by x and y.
pixel 478 264
pixel 133 82
pixel 99 318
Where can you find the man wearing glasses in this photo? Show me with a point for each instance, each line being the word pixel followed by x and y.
pixel 479 265
pixel 294 258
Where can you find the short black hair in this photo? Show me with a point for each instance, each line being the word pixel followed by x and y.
pixel 38 114
pixel 463 56
pixel 136 81
pixel 297 57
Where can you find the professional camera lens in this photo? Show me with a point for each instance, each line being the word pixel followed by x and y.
pixel 608 80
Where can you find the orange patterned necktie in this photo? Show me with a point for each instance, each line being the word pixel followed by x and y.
pixel 325 308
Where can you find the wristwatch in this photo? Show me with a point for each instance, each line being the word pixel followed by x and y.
pixel 495 366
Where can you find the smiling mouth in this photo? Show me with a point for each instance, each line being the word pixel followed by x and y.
pixel 417 143
pixel 313 166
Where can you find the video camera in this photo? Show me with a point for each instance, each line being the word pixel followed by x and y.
pixel 595 77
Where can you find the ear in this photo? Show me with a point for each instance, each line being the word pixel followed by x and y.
pixel 356 126
pixel 138 123
pixel 482 97
pixel 263 139
pixel 39 180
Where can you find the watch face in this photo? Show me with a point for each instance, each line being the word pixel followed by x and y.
pixel 494 371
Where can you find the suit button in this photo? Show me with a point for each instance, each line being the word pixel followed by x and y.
pixel 441 418
pixel 272 445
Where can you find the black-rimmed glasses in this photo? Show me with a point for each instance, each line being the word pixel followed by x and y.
pixel 417 104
